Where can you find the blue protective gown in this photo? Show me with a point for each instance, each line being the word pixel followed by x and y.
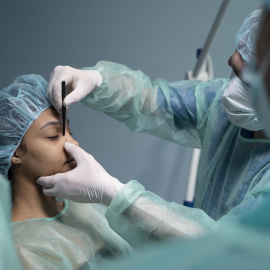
pixel 234 170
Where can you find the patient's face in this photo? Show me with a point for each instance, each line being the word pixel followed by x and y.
pixel 44 141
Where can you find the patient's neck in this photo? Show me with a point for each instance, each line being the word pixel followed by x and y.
pixel 29 202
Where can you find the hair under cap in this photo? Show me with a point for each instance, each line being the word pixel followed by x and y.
pixel 245 39
pixel 21 103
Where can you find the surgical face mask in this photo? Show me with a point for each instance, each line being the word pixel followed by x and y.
pixel 238 102
pixel 254 77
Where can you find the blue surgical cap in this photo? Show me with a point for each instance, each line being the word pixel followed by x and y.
pixel 21 103
pixel 245 39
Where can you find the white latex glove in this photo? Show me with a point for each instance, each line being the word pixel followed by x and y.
pixel 79 83
pixel 87 183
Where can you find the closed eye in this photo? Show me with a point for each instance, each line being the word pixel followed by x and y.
pixel 53 137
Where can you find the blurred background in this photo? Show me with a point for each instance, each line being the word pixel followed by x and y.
pixel 156 36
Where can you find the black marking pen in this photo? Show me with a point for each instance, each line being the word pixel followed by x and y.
pixel 63 107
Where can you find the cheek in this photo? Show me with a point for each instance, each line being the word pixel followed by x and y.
pixel 45 161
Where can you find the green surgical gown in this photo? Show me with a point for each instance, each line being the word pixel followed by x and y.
pixel 234 170
pixel 242 244
pixel 8 257
pixel 79 237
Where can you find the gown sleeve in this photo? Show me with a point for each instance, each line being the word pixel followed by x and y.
pixel 142 217
pixel 176 111
pixel 165 109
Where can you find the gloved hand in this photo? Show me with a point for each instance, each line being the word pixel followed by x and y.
pixel 87 183
pixel 79 83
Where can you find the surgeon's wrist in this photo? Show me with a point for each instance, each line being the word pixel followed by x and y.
pixel 115 187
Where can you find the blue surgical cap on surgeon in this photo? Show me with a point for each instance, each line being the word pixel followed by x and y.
pixel 245 39
pixel 21 103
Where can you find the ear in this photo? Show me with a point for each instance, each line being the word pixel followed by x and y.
pixel 17 157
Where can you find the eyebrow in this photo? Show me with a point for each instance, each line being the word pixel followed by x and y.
pixel 52 123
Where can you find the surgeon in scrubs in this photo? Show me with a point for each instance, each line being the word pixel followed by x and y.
pixel 217 116
pixel 244 243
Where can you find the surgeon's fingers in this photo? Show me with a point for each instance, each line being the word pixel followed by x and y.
pixel 47 192
pixel 76 152
pixel 46 181
pixel 75 96
pixel 50 192
pixel 54 91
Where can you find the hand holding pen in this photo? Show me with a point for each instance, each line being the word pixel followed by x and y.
pixel 63 107
pixel 79 83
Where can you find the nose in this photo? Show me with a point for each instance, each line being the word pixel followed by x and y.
pixel 70 139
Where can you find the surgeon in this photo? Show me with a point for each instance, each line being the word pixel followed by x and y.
pixel 217 116
pixel 244 243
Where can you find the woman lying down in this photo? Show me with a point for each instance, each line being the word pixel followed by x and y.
pixel 48 233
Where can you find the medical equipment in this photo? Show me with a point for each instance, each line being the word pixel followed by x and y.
pixel 209 40
pixel 21 103
pixel 63 107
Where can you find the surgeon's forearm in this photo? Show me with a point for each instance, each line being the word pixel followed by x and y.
pixel 151 225
pixel 159 108
pixel 142 217
pixel 124 93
